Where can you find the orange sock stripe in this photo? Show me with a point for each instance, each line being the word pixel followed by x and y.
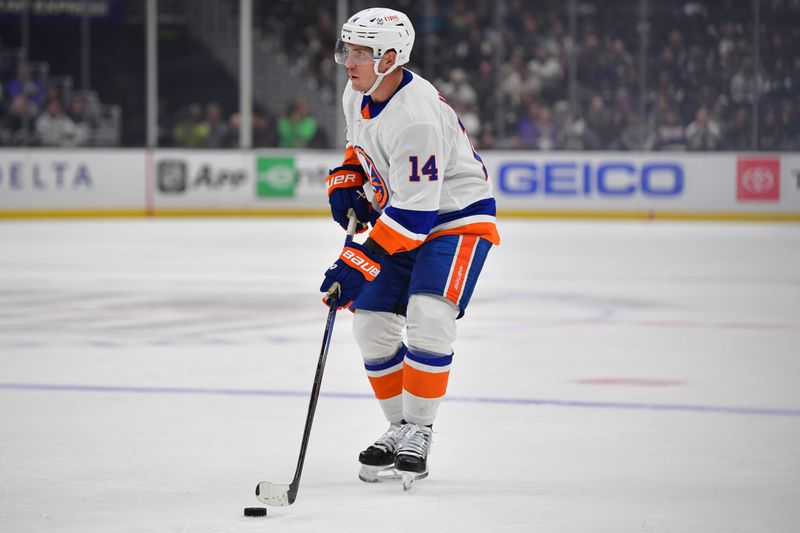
pixel 458 276
pixel 387 386
pixel 425 384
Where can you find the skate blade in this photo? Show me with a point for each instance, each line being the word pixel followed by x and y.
pixel 379 474
pixel 410 477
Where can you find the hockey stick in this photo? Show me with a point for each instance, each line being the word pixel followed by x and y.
pixel 281 494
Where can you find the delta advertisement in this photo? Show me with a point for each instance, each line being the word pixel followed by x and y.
pixel 66 181
pixel 292 182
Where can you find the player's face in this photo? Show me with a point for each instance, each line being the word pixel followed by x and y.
pixel 360 67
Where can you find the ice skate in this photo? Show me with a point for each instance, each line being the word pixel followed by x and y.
pixel 377 461
pixel 411 459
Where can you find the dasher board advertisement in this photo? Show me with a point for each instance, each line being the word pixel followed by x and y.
pixel 45 179
pixel 657 182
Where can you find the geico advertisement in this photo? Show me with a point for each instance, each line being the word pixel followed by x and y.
pixel 202 178
pixel 618 180
pixel 41 178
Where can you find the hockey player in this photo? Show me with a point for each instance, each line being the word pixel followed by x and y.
pixel 411 172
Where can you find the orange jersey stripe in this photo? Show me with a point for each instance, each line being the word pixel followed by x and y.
pixel 486 230
pixel 350 157
pixel 390 240
pixel 458 274
pixel 424 384
pixel 387 386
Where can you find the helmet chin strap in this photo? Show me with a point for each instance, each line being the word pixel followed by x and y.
pixel 380 77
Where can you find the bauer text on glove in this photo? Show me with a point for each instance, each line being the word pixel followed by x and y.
pixel 355 266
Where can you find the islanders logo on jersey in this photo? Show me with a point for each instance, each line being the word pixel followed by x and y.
pixel 375 178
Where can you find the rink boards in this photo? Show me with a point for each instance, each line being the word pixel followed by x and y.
pixel 170 182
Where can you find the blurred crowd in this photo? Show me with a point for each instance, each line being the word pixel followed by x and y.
pixel 520 74
pixel 34 111
pixel 509 74
pixel 206 126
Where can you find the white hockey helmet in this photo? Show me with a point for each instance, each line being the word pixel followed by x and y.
pixel 380 29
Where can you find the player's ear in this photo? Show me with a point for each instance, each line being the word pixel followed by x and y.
pixel 389 58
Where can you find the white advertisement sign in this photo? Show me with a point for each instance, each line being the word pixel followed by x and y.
pixel 196 179
pixel 651 182
pixel 293 178
pixel 255 181
pixel 41 179
pixel 164 182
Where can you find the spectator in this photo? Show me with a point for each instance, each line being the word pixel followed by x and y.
pixel 547 70
pixel 636 135
pixel 469 119
pixel 54 93
pixel 81 117
pixel 457 90
pixel 677 48
pixel 740 135
pixel 231 139
pixel 535 130
pixel 265 133
pixel 485 84
pixel 54 128
pixel 191 131
pixel 17 129
pixel 217 127
pixel 575 135
pixel 703 133
pixel 669 86
pixel 794 76
pixel 770 137
pixel 588 53
pixel 510 83
pixel 556 41
pixel 745 84
pixel 719 113
pixel 297 128
pixel 3 102
pixel 616 127
pixel 779 83
pixel 598 120
pixel 670 135
pixel 623 101
pixel 24 85
pixel 621 60
pixel 486 139
pixel 789 127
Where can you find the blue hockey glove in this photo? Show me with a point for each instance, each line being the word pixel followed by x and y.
pixel 356 265
pixel 345 192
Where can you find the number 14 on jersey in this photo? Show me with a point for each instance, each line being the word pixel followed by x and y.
pixel 428 169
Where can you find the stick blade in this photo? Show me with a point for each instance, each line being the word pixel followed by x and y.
pixel 276 494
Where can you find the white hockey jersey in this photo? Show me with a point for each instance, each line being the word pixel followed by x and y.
pixel 424 176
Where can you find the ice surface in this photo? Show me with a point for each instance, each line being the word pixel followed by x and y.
pixel 608 377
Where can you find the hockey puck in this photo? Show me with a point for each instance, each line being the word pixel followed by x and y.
pixel 255 511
